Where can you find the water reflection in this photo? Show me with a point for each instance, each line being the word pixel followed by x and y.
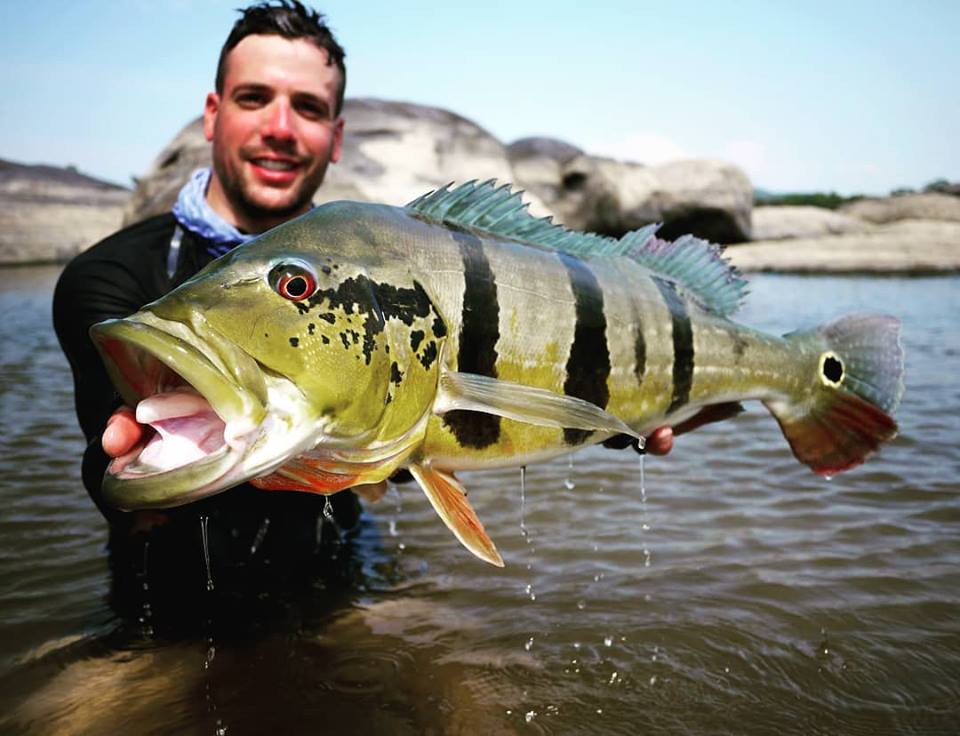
pixel 738 594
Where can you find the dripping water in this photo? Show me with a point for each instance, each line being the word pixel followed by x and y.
pixel 568 481
pixel 523 504
pixel 528 589
pixel 204 538
pixel 644 517
pixel 146 616
pixel 258 537
pixel 329 520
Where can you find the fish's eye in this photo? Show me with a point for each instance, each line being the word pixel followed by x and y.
pixel 293 281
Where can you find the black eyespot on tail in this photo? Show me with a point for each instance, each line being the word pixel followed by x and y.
pixel 832 369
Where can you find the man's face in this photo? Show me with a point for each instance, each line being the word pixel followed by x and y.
pixel 274 130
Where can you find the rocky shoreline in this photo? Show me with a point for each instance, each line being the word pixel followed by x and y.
pixel 394 151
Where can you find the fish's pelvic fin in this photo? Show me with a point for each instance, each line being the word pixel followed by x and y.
pixel 696 266
pixel 538 406
pixel 449 500
pixel 848 413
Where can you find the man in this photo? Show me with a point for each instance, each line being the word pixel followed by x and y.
pixel 274 124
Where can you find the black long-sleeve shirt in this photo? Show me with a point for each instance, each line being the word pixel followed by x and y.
pixel 114 279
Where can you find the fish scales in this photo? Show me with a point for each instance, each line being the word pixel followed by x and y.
pixel 461 333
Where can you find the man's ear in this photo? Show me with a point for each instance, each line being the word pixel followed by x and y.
pixel 210 109
pixel 337 140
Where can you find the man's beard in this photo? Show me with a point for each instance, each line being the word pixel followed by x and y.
pixel 252 211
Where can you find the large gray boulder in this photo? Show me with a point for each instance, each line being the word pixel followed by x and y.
pixel 929 206
pixel 392 153
pixel 50 214
pixel 712 199
pixel 904 247
pixel 776 222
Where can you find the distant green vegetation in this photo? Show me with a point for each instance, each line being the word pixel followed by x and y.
pixel 829 200
pixel 832 200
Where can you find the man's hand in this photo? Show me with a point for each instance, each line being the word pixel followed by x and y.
pixel 122 433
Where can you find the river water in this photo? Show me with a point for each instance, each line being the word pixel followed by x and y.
pixel 725 590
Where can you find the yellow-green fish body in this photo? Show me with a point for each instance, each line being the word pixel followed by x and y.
pixel 461 333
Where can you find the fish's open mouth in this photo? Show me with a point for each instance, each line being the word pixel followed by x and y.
pixel 202 398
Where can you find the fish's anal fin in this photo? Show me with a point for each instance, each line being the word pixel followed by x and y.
pixel 835 436
pixel 302 474
pixel 709 415
pixel 523 403
pixel 449 500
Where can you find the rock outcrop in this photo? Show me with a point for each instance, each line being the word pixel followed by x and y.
pixel 780 222
pixel 392 152
pixel 907 247
pixel 929 206
pixel 712 199
pixel 50 214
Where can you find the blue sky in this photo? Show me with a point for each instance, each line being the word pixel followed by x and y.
pixel 845 96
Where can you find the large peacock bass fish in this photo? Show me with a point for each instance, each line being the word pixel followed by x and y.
pixel 459 332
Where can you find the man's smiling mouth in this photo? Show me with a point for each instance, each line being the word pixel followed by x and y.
pixel 275 164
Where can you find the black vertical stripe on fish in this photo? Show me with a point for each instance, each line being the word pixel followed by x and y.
pixel 639 345
pixel 479 333
pixel 682 344
pixel 588 365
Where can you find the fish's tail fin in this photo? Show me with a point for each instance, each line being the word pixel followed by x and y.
pixel 845 412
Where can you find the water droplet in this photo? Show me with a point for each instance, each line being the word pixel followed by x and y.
pixel 608 641
pixel 599 711
pixel 393 527
pixel 259 536
pixel 530 715
pixel 576 645
pixel 581 604
pixel 614 678
pixel 529 644
pixel 328 509
pixel 401 546
pixel 206 550
pixel 523 503
pixel 653 680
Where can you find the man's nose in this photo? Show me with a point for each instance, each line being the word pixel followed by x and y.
pixel 279 124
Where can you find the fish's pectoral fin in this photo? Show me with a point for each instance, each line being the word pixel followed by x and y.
pixel 449 500
pixel 523 404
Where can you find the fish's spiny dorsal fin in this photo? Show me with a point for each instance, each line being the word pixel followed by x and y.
pixel 697 267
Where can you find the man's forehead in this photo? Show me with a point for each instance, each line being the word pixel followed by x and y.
pixel 275 61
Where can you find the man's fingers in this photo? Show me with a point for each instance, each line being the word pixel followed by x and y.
pixel 660 442
pixel 122 432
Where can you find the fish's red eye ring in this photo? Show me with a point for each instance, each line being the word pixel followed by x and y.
pixel 293 281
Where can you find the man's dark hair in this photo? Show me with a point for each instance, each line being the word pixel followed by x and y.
pixel 290 19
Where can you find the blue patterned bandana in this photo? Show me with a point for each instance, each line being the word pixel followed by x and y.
pixel 195 214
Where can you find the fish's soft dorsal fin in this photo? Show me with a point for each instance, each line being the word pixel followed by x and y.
pixel 696 266
pixel 449 500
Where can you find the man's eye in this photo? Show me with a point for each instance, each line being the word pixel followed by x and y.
pixel 250 99
pixel 312 112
